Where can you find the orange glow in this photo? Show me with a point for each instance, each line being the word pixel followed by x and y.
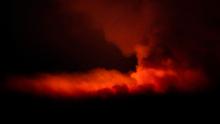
pixel 133 29
pixel 77 84
pixel 101 82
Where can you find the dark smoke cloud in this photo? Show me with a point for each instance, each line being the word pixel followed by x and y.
pixel 195 34
pixel 124 23
pixel 184 34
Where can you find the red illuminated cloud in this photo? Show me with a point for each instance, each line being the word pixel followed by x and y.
pixel 101 82
pixel 141 28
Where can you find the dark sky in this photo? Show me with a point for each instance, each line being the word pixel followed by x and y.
pixel 43 38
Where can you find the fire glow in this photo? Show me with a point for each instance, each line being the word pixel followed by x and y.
pixel 102 82
pixel 142 30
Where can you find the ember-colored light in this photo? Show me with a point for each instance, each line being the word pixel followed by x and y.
pixel 102 82
pixel 139 30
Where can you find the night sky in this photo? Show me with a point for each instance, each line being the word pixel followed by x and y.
pixel 48 36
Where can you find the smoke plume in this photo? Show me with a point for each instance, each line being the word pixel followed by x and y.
pixel 169 55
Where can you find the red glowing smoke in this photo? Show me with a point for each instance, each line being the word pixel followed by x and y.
pixel 135 27
pixel 101 82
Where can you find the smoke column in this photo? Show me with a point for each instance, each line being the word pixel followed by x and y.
pixel 140 27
